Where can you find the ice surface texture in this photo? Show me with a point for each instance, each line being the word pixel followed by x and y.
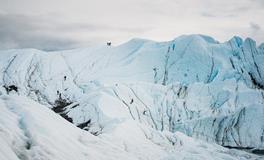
pixel 141 89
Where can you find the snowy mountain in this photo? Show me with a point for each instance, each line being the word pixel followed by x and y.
pixel 139 100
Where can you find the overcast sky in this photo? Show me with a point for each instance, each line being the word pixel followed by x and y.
pixel 64 24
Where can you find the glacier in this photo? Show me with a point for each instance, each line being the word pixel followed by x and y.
pixel 183 99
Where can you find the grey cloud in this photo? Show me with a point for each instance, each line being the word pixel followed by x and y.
pixel 255 27
pixel 257 32
pixel 93 27
pixel 211 15
pixel 204 14
pixel 260 2
pixel 20 31
pixel 224 9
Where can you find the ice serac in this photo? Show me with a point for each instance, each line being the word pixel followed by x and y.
pixel 193 84
pixel 239 130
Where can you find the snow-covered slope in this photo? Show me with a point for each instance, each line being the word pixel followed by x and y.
pixel 208 90
pixel 30 131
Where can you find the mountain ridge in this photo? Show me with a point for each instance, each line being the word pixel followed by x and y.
pixel 203 36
